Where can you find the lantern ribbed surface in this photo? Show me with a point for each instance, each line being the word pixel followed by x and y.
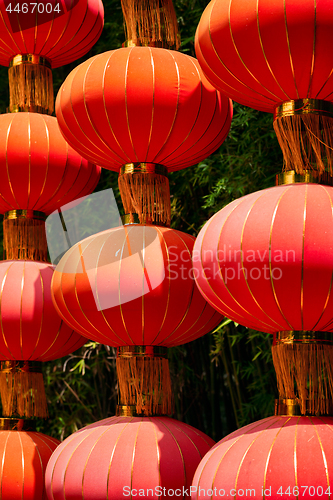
pixel 125 286
pixel 23 459
pixel 142 104
pixel 108 459
pixel 60 37
pixel 30 326
pixel 273 458
pixel 263 52
pixel 265 260
pixel 38 170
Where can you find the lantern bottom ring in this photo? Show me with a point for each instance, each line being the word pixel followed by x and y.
pixel 131 411
pixel 17 424
pixel 306 177
pixel 292 408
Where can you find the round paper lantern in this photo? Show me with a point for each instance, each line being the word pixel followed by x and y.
pixel 30 326
pixel 60 31
pixel 277 457
pixel 24 455
pixel 133 286
pixel 121 456
pixel 264 53
pixel 142 104
pixel 273 56
pixel 265 260
pixel 38 170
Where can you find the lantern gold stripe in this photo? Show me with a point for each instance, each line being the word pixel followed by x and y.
pixel 270 258
pixel 241 59
pixel 331 282
pixel 303 249
pixel 322 452
pixel 232 74
pixel 97 294
pixel 288 43
pixel 264 54
pixel 242 262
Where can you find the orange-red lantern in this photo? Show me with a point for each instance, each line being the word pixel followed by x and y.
pixel 142 104
pixel 264 53
pixel 133 286
pixel 24 456
pixel 60 31
pixel 126 457
pixel 31 329
pixel 265 260
pixel 38 170
pixel 36 37
pixel 273 56
pixel 277 457
pixel 143 112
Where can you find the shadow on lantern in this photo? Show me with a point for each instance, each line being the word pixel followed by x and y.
pixel 99 247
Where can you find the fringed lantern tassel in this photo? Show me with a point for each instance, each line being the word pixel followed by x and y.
pixel 151 22
pixel 144 189
pixel 303 362
pixel 22 390
pixel 144 381
pixel 30 84
pixel 24 236
pixel 304 129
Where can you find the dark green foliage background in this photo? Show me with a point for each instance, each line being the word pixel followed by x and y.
pixel 225 379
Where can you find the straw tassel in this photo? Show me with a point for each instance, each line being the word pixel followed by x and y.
pixel 144 382
pixel 305 372
pixel 22 390
pixel 30 85
pixel 304 130
pixel 24 238
pixel 151 22
pixel 146 194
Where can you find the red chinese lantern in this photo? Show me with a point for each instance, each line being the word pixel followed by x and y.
pixel 273 56
pixel 32 332
pixel 144 111
pixel 62 33
pixel 265 261
pixel 36 37
pixel 39 172
pixel 123 456
pixel 30 326
pixel 24 455
pixel 277 457
pixel 134 290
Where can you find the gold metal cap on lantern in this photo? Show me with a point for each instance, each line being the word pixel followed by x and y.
pixel 145 192
pixel 24 236
pixel 17 424
pixel 292 407
pixel 308 177
pixel 304 129
pixel 30 84
pixel 303 361
pixel 144 381
pixel 22 389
